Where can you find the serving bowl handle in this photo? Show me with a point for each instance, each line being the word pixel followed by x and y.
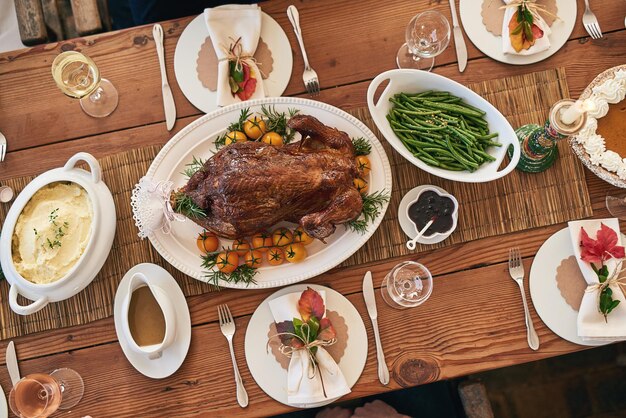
pixel 94 166
pixel 371 90
pixel 27 309
pixel 514 158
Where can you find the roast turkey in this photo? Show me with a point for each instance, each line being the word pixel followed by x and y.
pixel 248 187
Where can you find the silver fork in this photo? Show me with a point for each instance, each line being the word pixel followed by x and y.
pixel 516 270
pixel 590 22
pixel 311 82
pixel 227 325
pixel 3 147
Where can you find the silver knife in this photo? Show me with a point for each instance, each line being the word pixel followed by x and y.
pixel 370 303
pixel 459 42
pixel 11 359
pixel 168 99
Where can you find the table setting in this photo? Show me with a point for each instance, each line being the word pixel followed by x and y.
pixel 286 236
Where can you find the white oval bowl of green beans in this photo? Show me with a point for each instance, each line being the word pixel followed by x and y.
pixel 442 127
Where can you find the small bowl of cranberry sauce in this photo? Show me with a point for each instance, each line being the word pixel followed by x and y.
pixel 429 204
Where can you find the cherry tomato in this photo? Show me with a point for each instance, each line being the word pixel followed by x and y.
pixel 275 256
pixel 235 136
pixel 361 185
pixel 295 253
pixel 227 261
pixel 301 237
pixel 241 246
pixel 254 128
pixel 262 241
pixel 254 258
pixel 273 138
pixel 282 237
pixel 363 165
pixel 207 242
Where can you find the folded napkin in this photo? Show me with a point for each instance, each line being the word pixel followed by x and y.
pixel 591 322
pixel 541 44
pixel 226 24
pixel 301 388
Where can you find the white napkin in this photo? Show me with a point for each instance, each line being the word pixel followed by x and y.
pixel 300 388
pixel 591 323
pixel 540 45
pixel 226 25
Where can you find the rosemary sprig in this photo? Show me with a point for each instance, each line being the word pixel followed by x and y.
pixel 193 167
pixel 372 205
pixel 277 122
pixel 361 146
pixel 220 141
pixel 185 205
pixel 242 274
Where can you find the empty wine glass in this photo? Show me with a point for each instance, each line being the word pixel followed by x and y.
pixel 427 35
pixel 616 204
pixel 407 285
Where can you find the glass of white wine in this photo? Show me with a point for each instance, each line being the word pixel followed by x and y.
pixel 39 395
pixel 78 76
pixel 427 35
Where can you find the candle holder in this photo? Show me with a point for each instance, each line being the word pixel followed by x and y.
pixel 539 143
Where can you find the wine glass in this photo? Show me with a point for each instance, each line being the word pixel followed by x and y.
pixel 427 35
pixel 616 204
pixel 39 395
pixel 407 285
pixel 78 76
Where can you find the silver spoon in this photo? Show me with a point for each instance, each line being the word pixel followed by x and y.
pixel 411 244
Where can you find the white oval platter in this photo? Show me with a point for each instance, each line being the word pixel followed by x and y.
pixel 197 139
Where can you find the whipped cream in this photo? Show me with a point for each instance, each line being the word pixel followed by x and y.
pixel 611 91
pixel 611 160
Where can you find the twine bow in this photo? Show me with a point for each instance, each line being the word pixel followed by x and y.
pixel 531 6
pixel 615 278
pixel 235 53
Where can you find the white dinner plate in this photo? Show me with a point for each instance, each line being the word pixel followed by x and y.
pixel 268 373
pixel 407 226
pixel 546 296
pixel 197 140
pixel 4 409
pixel 491 45
pixel 186 55
pixel 174 355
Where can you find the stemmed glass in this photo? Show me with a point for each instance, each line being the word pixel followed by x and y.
pixel 39 395
pixel 78 76
pixel 407 285
pixel 616 204
pixel 427 35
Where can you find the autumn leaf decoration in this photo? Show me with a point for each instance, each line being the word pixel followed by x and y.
pixel 599 250
pixel 523 32
pixel 241 78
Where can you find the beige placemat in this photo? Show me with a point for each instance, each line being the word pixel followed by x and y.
pixel 517 202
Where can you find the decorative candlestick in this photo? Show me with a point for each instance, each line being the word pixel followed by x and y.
pixel 538 143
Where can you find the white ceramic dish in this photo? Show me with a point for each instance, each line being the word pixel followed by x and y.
pixel 408 227
pixel 491 45
pixel 268 373
pixel 4 408
pixel 197 139
pixel 173 356
pixel 546 296
pixel 415 81
pixel 95 254
pixel 455 213
pixel 186 55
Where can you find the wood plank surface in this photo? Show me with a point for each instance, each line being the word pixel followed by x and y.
pixel 474 319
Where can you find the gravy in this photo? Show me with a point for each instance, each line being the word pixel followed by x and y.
pixel 145 318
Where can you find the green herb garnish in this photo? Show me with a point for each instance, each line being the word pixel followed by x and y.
pixel 193 167
pixel 183 204
pixel 220 141
pixel 242 274
pixel 277 122
pixel 372 205
pixel 361 146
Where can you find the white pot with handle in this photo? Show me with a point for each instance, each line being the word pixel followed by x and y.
pixel 103 223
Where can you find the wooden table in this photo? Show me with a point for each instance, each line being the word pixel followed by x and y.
pixel 474 319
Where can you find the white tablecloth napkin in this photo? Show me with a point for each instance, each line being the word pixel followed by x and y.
pixel 226 25
pixel 540 45
pixel 591 323
pixel 300 388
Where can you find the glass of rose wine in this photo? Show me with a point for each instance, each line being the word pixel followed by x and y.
pixel 39 395
pixel 78 76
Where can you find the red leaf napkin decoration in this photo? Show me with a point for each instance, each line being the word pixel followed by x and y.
pixel 311 304
pixel 327 331
pixel 602 248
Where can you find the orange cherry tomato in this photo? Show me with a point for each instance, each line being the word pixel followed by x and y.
pixel 273 138
pixel 254 258
pixel 227 261
pixel 282 237
pixel 363 165
pixel 235 136
pixel 254 128
pixel 207 242
pixel 275 256
pixel 301 237
pixel 262 241
pixel 295 253
pixel 241 246
pixel 361 185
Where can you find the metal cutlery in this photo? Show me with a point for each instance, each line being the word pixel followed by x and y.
pixel 459 42
pixel 370 303
pixel 3 147
pixel 11 360
pixel 168 98
pixel 227 325
pixel 590 22
pixel 516 270
pixel 311 82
